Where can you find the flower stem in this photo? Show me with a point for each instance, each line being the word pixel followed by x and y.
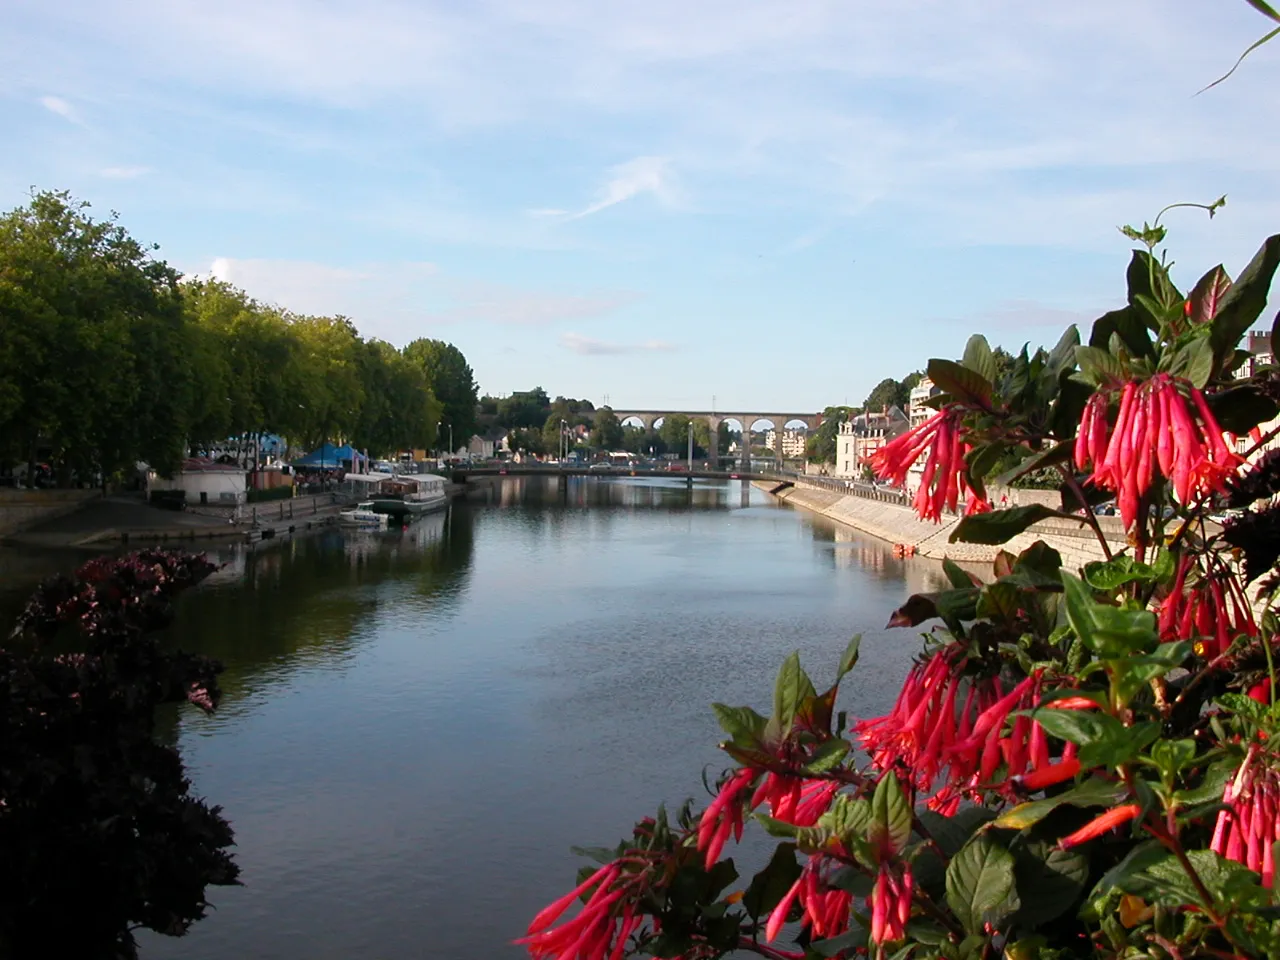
pixel 1074 484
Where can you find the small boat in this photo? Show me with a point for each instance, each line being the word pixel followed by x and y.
pixel 363 515
pixel 410 496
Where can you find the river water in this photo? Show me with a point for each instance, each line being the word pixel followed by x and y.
pixel 418 724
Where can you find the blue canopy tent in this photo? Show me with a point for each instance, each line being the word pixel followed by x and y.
pixel 329 457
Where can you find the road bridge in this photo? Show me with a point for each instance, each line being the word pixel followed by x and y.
pixel 461 474
pixel 714 418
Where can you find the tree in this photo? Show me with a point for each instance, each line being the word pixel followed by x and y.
pixel 887 393
pixel 526 441
pixel 98 830
pixel 675 433
pixel 399 411
pixel 820 447
pixel 524 408
pixel 91 347
pixel 451 382
pixel 607 431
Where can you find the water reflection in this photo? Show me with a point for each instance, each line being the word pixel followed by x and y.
pixel 419 723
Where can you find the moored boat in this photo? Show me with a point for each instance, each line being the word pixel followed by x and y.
pixel 409 496
pixel 363 515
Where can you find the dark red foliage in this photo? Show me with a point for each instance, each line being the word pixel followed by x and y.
pixel 98 831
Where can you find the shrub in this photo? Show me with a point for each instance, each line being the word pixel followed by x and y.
pixel 1079 763
pixel 98 831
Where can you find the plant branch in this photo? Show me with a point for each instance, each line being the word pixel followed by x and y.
pixel 1089 516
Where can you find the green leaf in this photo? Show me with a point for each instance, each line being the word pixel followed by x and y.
pixel 771 884
pixel 1108 631
pixel 950 605
pixel 960 579
pixel 1194 362
pixel 792 689
pixel 743 724
pixel 1165 882
pixel 980 884
pixel 1206 296
pixel 952 833
pixel 1244 302
pixel 1149 289
pixel 1049 880
pixel 827 756
pixel 777 828
pixel 1063 354
pixel 849 659
pixel 1001 601
pixel 1079 726
pixel 845 943
pixel 1098 366
pixel 1172 756
pixel 1135 863
pixel 1239 409
pixel 1110 575
pixel 1050 456
pixel 1248 50
pixel 979 358
pixel 1094 792
pixel 1000 526
pixel 1115 748
pixel 890 815
pixel 961 382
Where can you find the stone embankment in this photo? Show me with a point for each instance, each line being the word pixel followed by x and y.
pixel 897 523
pixel 20 509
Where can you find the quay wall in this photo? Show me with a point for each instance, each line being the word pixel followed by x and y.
pixel 897 523
pixel 20 509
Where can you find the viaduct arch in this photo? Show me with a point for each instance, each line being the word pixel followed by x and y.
pixel 714 418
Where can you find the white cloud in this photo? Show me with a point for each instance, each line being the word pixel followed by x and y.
pixel 591 347
pixel 394 300
pixel 123 173
pixel 61 107
pixel 651 175
pixel 939 112
pixel 384 299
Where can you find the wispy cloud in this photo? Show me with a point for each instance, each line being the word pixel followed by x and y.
pixel 651 175
pixel 1014 316
pixel 123 173
pixel 591 347
pixel 61 107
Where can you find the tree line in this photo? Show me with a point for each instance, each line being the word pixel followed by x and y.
pixel 109 356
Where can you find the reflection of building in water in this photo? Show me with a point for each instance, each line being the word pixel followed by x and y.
pixel 864 552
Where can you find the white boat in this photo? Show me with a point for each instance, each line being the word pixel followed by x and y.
pixel 410 495
pixel 363 515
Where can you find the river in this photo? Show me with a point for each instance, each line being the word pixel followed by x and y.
pixel 417 725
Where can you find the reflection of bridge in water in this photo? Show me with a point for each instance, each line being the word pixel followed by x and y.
pixel 779 422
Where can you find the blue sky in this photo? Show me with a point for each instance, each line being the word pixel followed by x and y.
pixel 773 203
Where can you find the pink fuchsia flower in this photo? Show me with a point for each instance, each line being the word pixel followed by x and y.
pixel 1113 818
pixel 723 816
pixel 890 903
pixel 790 797
pixel 951 734
pixel 1163 425
pixel 1246 830
pixel 599 930
pixel 945 477
pixel 1212 608
pixel 824 907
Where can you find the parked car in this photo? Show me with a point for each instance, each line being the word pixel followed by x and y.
pixel 601 465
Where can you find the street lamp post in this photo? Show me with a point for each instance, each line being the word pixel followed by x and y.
pixel 563 451
pixel 690 446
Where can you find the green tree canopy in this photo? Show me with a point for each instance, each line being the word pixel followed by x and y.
pixel 606 433
pixel 452 383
